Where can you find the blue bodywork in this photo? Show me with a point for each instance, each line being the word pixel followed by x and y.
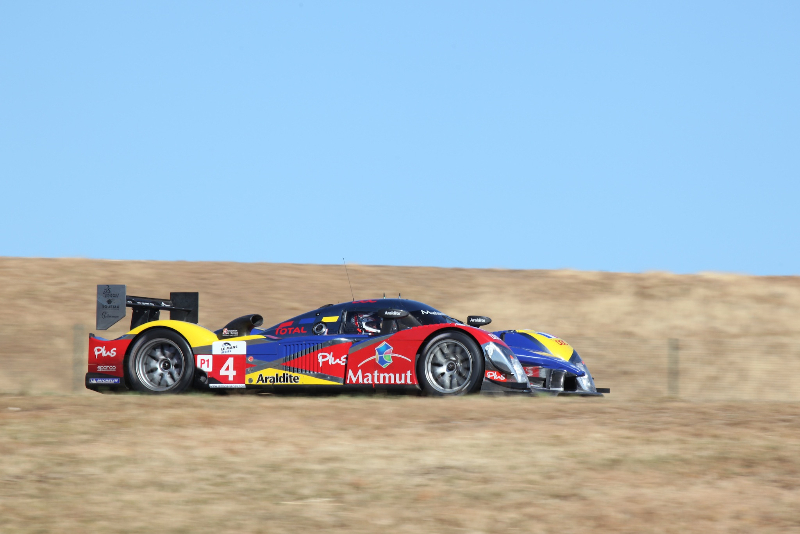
pixel 531 352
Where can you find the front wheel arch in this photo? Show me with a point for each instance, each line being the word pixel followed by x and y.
pixel 441 331
pixel 454 333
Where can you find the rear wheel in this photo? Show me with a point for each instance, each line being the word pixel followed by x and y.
pixel 160 362
pixel 450 364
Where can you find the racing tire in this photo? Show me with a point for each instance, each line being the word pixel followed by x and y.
pixel 160 362
pixel 450 364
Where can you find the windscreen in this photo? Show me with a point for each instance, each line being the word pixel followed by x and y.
pixel 371 324
pixel 432 316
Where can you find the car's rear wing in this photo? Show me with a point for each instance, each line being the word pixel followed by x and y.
pixel 112 302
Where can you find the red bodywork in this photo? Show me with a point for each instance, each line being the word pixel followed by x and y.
pixel 107 357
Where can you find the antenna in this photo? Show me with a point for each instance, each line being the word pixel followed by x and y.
pixel 348 279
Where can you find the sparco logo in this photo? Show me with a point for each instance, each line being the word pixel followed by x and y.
pixel 329 358
pixel 101 368
pixel 101 351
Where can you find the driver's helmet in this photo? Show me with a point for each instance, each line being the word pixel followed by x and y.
pixel 366 323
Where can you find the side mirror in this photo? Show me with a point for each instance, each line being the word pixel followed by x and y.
pixel 392 314
pixel 478 321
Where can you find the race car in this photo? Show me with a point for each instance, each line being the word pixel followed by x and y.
pixel 379 343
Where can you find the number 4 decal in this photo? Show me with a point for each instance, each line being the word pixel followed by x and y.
pixel 227 369
pixel 223 370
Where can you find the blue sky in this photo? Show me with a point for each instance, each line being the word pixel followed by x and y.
pixel 621 136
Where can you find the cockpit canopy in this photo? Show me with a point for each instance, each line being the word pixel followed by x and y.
pixel 363 317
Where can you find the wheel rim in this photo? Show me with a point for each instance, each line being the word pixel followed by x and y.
pixel 448 366
pixel 159 365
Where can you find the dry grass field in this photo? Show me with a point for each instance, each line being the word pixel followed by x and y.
pixel 635 461
pixel 258 463
pixel 739 335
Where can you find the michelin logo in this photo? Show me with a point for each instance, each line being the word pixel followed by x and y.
pixel 104 380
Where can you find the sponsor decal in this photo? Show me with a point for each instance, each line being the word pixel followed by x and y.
pixel 250 359
pixel 493 336
pixel 380 364
pixel 104 380
pixel 229 347
pixel 497 377
pixel 426 312
pixel 101 351
pixel 383 356
pixel 364 301
pixel 105 356
pixel 234 386
pixel 287 323
pixel 205 362
pixel 393 312
pixel 226 364
pixel 328 360
pixel 278 378
pixel 376 377
pixel 331 359
pixel 560 341
pixel 229 332
pixel 330 319
pixel 109 296
pixel 291 330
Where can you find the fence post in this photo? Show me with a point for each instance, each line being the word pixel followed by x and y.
pixel 673 372
pixel 78 357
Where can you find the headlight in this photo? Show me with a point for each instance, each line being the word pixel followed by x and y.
pixel 505 360
pixel 585 381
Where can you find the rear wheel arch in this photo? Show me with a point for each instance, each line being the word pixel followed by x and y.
pixel 152 332
pixel 138 336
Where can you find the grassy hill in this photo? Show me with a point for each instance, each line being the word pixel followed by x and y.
pixel 620 322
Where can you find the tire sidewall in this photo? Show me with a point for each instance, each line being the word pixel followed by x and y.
pixel 476 355
pixel 186 351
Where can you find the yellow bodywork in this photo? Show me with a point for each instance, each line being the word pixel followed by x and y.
pixel 262 377
pixel 558 347
pixel 196 335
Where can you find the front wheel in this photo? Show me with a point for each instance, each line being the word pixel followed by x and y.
pixel 450 364
pixel 161 362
